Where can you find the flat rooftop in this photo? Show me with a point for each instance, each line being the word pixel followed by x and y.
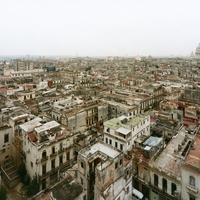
pixel 99 147
pixel 30 125
pixel 169 160
pixel 193 157
pixel 20 116
pixel 152 141
pixel 123 130
pixel 116 123
pixel 47 126
pixel 113 123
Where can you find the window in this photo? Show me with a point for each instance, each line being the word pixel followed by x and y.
pixel 173 188
pixel 192 181
pixel 127 189
pixel 44 154
pixel 44 169
pixel 110 142
pixel 82 165
pixel 81 181
pixel 164 184
pixel 31 164
pixel 116 144
pixel 68 155
pixel 116 165
pixel 53 164
pixel 127 173
pixel 61 159
pixel 61 146
pixel 191 197
pixel 53 150
pixel 136 169
pixel 156 180
pixel 6 138
pixel 120 161
pixel 107 140
pixel 145 174
pixel 121 147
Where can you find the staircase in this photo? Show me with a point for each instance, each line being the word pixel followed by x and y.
pixel 9 174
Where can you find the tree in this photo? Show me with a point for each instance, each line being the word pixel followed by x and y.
pixel 26 179
pixel 22 171
pixel 3 194
pixel 32 188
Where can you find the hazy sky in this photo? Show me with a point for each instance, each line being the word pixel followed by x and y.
pixel 99 27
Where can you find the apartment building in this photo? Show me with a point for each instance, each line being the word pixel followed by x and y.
pixel 48 150
pixel 104 172
pixel 166 177
pixel 190 172
pixel 122 132
pixel 6 134
pixel 142 158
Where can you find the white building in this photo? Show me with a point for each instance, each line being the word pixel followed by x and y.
pixel 48 150
pixel 122 132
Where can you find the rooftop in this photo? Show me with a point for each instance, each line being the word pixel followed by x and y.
pixel 193 157
pixel 123 130
pixel 30 125
pixel 152 141
pixel 116 123
pixel 47 126
pixel 99 147
pixel 171 156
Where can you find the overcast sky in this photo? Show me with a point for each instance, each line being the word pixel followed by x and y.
pixel 99 27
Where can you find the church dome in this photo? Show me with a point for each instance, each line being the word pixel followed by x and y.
pixel 197 53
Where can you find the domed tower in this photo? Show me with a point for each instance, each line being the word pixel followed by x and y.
pixel 197 53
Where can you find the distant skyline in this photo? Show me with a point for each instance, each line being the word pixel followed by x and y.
pixel 99 28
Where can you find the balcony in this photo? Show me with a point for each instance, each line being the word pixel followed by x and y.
pixel 106 185
pixel 60 168
pixel 61 151
pixel 192 188
pixel 53 155
pixel 68 147
pixel 44 159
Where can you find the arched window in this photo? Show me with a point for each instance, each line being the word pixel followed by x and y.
pixel 44 154
pixel 192 181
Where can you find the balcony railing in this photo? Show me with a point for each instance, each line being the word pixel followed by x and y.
pixel 192 188
pixel 61 151
pixel 44 159
pixel 53 155
pixel 60 168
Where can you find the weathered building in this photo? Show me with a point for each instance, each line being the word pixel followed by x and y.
pixel 105 172
pixel 123 132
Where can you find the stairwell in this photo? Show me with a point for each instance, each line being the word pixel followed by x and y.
pixel 9 174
